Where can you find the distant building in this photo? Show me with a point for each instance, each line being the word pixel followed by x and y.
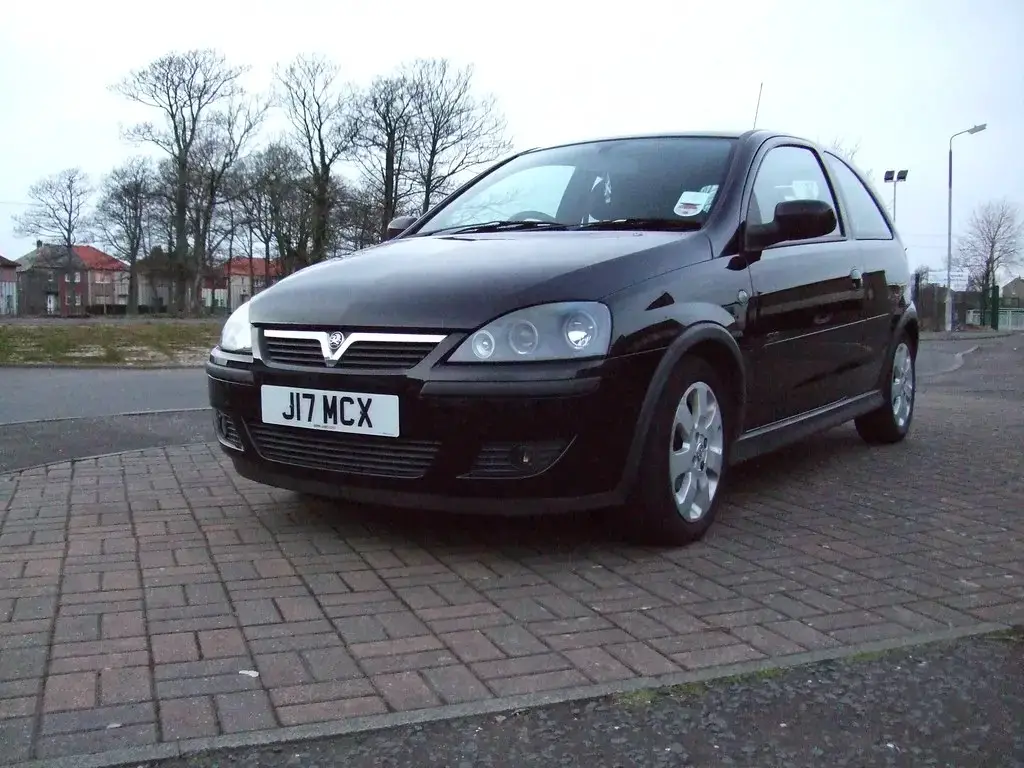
pixel 8 287
pixel 56 280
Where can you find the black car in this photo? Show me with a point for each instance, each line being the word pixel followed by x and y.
pixel 605 324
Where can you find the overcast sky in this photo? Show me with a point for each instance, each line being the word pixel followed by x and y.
pixel 897 77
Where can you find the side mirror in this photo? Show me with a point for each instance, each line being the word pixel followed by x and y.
pixel 398 225
pixel 794 220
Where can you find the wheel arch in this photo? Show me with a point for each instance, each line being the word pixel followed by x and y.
pixel 716 345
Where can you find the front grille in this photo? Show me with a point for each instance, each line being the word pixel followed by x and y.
pixel 292 351
pixel 361 355
pixel 351 454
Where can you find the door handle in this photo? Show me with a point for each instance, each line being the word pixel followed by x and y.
pixel 855 276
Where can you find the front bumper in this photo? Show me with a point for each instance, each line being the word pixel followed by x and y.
pixel 494 439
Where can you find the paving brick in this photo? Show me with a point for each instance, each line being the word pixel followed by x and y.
pixel 321 692
pixel 204 668
pixel 322 712
pixel 544 681
pixel 282 669
pixel 76 628
pixel 802 634
pixel 125 685
pixel 73 744
pixel 71 691
pixel 456 684
pixel 577 640
pixel 217 643
pixel 23 706
pixel 472 645
pixel 598 664
pixel 16 737
pixel 177 647
pixel 245 711
pixel 768 642
pixel 395 647
pixel 405 690
pixel 330 664
pixel 525 665
pixel 188 718
pixel 98 718
pixel 642 659
pixel 99 662
pixel 712 657
pixel 379 665
pixel 126 624
pixel 202 686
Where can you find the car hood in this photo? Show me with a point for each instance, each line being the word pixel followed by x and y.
pixel 460 282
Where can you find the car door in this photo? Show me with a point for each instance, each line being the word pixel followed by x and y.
pixel 886 272
pixel 808 304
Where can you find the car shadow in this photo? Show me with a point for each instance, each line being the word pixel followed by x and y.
pixel 554 534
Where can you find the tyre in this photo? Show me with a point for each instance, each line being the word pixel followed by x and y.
pixel 890 423
pixel 685 458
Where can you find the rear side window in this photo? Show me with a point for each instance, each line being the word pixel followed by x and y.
pixel 866 220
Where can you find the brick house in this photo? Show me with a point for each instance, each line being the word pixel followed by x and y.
pixel 234 284
pixel 8 287
pixel 108 279
pixel 55 280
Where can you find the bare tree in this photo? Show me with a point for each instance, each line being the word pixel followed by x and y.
pixel 58 213
pixel 121 216
pixel 319 109
pixel 183 87
pixel 226 133
pixel 994 243
pixel 849 153
pixel 455 132
pixel 386 116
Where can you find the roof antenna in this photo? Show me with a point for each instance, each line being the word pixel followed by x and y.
pixel 757 109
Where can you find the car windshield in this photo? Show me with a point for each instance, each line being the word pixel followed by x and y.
pixel 663 182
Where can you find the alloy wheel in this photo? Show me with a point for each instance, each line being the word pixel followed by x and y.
pixel 696 451
pixel 902 388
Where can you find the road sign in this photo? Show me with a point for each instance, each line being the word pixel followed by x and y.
pixel 958 278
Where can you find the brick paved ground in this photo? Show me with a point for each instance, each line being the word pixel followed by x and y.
pixel 135 589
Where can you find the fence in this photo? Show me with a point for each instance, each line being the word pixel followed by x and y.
pixel 1009 319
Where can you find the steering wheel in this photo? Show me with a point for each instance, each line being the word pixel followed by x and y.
pixel 535 215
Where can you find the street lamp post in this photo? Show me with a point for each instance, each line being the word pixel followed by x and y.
pixel 894 178
pixel 949 224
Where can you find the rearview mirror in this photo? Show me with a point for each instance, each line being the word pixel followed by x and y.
pixel 794 220
pixel 398 225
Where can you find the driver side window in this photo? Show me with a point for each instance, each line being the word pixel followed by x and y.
pixel 787 173
pixel 538 189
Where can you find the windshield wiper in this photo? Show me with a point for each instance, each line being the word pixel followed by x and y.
pixel 642 224
pixel 498 226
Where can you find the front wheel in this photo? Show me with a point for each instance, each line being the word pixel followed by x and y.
pixel 890 422
pixel 685 458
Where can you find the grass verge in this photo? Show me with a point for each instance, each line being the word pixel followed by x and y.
pixel 138 343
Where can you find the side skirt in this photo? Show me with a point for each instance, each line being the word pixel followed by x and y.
pixel 771 437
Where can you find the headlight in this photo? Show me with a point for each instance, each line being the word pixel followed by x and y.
pixel 237 333
pixel 564 331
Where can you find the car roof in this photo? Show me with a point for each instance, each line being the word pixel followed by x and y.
pixel 757 135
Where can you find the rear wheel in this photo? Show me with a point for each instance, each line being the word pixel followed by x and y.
pixel 685 458
pixel 890 423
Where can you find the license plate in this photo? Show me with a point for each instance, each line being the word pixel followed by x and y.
pixel 356 412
